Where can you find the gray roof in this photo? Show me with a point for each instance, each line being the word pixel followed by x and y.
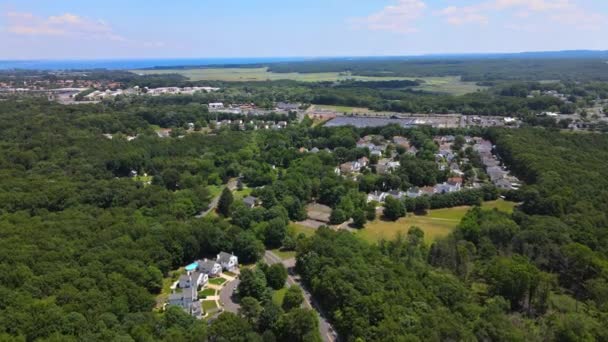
pixel 224 257
pixel 206 266
pixel 250 200
pixel 175 296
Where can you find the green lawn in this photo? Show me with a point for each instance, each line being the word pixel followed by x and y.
pixel 436 224
pixel 284 254
pixel 209 306
pixel 259 74
pixel 278 295
pixel 206 293
pixel 297 229
pixel 501 205
pixel 228 273
pixel 240 194
pixel 217 281
pixel 166 289
pixel 448 85
pixel 215 190
pixel 144 179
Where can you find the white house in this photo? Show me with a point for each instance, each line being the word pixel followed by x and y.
pixel 414 192
pixel 193 279
pixel 229 262
pixel 210 268
pixel 216 105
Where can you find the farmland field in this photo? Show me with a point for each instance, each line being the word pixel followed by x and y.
pixel 436 224
pixel 340 109
pixel 447 84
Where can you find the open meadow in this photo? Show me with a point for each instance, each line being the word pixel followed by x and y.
pixel 436 224
pixel 446 84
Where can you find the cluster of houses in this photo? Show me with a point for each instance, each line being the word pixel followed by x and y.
pixel 452 185
pixel 99 95
pixel 499 176
pixel 251 125
pixel 375 145
pixel 185 290
pixel 251 109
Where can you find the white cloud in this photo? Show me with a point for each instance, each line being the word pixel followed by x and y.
pixel 65 25
pixel 556 11
pixel 398 18
pixel 69 27
pixel 463 15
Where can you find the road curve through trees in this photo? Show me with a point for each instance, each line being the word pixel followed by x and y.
pixel 325 328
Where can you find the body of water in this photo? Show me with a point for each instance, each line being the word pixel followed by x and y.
pixel 126 64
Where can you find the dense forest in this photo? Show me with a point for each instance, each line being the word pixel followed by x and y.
pixel 539 274
pixel 85 245
pixel 471 69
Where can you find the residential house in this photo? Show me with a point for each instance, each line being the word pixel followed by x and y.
pixel 401 141
pixel 483 146
pixel 376 196
pixel 192 279
pixel 216 105
pixel 455 182
pixel 229 262
pixel 385 166
pixel 187 299
pixel 496 173
pixel 503 184
pixel 414 192
pixel 250 201
pixel 354 166
pixel 363 161
pixel 210 268
pixel 375 152
pixel 380 197
pixel 446 187
pixel 397 194
pixel 428 190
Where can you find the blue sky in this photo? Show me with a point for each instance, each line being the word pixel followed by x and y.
pixel 67 29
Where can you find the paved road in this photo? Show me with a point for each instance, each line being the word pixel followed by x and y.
pixel 231 185
pixel 325 328
pixel 227 296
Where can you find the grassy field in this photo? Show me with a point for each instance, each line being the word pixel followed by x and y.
pixel 209 306
pixel 166 289
pixel 448 84
pixel 284 255
pixel 240 194
pixel 206 293
pixel 297 229
pixel 278 295
pixel 436 224
pixel 217 281
pixel 215 190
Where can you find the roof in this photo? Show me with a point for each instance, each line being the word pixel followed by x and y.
pixel 250 200
pixel 206 266
pixel 224 257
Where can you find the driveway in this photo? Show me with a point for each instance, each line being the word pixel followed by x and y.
pixel 326 330
pixel 228 297
pixel 232 183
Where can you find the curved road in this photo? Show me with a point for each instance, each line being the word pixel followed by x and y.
pixel 325 328
pixel 228 298
pixel 231 185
